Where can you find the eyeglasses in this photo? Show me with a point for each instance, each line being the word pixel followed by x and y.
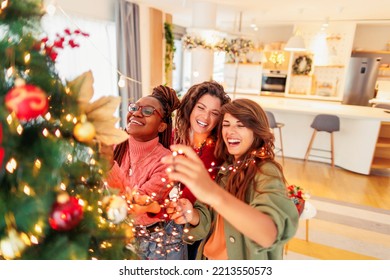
pixel 146 111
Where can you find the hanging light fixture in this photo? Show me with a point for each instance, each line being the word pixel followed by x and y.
pixel 295 43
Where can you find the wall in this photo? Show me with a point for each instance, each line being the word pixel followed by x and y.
pixel 270 34
pixel 96 9
pixel 372 37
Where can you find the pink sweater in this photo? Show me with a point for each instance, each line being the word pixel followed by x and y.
pixel 147 172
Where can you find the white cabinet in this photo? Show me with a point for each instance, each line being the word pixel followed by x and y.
pixel 243 77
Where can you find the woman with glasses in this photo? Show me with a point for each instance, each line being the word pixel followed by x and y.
pixel 196 126
pixel 139 175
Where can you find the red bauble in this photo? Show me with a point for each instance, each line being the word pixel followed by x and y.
pixel 27 101
pixel 66 215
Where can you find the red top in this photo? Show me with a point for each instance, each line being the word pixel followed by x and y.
pixel 206 154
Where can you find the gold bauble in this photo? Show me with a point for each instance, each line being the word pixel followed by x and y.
pixel 84 132
pixel 116 208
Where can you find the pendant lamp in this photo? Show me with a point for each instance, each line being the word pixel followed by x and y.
pixel 295 43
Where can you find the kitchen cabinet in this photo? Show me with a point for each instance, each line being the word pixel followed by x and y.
pixel 323 83
pixel 381 159
pixel 248 77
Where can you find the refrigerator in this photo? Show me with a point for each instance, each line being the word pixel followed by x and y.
pixel 360 80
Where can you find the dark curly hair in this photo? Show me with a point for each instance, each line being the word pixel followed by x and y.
pixel 169 102
pixel 188 102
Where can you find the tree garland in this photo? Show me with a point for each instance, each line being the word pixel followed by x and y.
pixel 169 51
pixel 233 47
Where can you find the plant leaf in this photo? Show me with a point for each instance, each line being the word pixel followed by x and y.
pixel 102 108
pixel 83 87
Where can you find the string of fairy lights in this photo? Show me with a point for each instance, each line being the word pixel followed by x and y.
pixel 115 208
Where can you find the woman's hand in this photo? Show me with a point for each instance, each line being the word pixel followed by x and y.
pixel 182 212
pixel 137 209
pixel 142 203
pixel 186 167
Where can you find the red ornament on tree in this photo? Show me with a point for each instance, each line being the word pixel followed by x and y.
pixel 66 213
pixel 27 101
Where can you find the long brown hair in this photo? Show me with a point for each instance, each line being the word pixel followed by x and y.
pixel 252 116
pixel 188 102
pixel 169 102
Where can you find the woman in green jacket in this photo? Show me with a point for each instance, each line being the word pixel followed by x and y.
pixel 245 213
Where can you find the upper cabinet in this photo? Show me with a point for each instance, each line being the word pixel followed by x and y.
pixel 372 38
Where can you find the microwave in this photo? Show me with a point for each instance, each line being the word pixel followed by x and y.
pixel 273 81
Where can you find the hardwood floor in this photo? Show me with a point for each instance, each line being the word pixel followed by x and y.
pixel 340 234
pixel 321 180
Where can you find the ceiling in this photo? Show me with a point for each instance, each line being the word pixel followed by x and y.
pixel 281 12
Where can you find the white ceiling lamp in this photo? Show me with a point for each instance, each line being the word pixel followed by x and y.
pixel 295 43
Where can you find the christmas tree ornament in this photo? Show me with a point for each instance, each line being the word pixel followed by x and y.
pixel 27 101
pixel 66 213
pixel 14 244
pixel 115 208
pixel 84 131
pixel 100 112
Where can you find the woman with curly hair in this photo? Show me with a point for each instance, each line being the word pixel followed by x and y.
pixel 245 213
pixel 196 125
pixel 139 174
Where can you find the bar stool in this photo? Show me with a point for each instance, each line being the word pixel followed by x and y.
pixel 273 124
pixel 326 123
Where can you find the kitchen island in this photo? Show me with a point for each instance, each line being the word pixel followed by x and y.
pixel 361 145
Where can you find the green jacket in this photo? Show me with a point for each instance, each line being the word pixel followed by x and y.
pixel 270 198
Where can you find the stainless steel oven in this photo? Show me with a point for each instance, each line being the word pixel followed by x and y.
pixel 273 81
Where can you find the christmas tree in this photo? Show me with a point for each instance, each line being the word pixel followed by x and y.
pixel 54 203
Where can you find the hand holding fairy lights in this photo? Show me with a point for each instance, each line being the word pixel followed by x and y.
pixel 181 211
pixel 186 167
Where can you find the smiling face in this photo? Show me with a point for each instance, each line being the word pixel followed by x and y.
pixel 238 138
pixel 144 128
pixel 205 115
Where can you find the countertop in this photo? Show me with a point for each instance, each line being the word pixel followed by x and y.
pixel 315 107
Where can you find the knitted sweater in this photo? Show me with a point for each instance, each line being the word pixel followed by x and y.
pixel 147 171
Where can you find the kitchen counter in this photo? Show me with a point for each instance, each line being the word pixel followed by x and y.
pixel 355 143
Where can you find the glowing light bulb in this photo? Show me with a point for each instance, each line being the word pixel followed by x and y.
pixel 51 9
pixel 121 82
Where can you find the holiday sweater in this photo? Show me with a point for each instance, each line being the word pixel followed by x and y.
pixel 147 172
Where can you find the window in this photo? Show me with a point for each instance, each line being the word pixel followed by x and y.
pixel 96 52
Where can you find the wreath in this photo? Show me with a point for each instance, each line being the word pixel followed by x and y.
pixel 302 65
